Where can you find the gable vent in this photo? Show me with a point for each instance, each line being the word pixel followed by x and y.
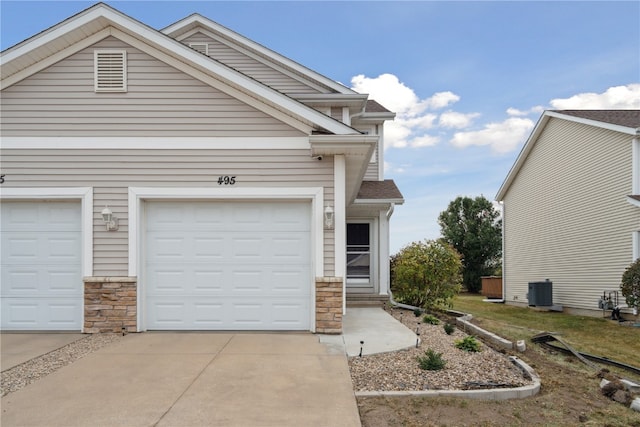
pixel 200 47
pixel 110 70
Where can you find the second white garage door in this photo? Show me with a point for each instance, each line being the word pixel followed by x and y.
pixel 228 266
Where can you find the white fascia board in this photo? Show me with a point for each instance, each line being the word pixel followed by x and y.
pixel 189 21
pixel 378 201
pixel 595 123
pixel 526 149
pixel 359 144
pixel 156 143
pixel 55 32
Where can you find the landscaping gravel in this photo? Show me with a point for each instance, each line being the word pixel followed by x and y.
pixel 399 370
pixel 20 376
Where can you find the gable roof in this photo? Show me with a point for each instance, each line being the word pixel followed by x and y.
pixel 100 21
pixel 197 22
pixel 624 121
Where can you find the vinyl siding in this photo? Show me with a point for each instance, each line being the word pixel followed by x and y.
pixel 281 80
pixel 111 172
pixel 371 174
pixel 566 215
pixel 160 101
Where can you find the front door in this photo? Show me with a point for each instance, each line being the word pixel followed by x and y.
pixel 359 257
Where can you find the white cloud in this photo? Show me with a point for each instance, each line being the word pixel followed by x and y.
pixel 441 99
pixel 424 141
pixel 533 110
pixel 412 118
pixel 614 98
pixel 502 137
pixel 455 120
pixel 390 92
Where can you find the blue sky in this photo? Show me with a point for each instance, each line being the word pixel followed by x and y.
pixel 468 80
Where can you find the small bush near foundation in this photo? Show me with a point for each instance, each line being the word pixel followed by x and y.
pixel 449 328
pixel 469 343
pixel 431 361
pixel 417 312
pixel 431 320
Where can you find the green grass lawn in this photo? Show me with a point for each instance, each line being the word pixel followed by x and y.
pixel 593 335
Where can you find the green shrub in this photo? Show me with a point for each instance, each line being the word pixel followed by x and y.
pixel 430 319
pixel 469 343
pixel 449 328
pixel 630 286
pixel 426 274
pixel 431 361
pixel 417 312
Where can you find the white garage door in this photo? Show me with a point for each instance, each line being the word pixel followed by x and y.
pixel 228 266
pixel 41 266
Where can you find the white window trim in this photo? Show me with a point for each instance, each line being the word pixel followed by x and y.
pixel 96 55
pixel 373 251
pixel 635 238
pixel 84 194
pixel 137 195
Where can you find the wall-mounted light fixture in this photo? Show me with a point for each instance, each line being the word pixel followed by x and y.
pixel 109 219
pixel 328 217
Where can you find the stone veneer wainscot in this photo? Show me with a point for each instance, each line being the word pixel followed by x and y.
pixel 110 304
pixel 328 305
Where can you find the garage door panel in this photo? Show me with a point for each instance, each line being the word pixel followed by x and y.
pixel 29 247
pixel 237 266
pixel 199 313
pixel 40 216
pixel 40 281
pixel 41 276
pixel 41 314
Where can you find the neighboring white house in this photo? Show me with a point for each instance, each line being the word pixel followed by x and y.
pixel 571 211
pixel 187 178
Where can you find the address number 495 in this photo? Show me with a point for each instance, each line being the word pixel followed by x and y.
pixel 226 180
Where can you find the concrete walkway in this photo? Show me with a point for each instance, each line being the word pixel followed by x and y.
pixel 379 331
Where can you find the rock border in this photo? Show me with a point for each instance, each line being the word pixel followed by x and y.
pixel 487 394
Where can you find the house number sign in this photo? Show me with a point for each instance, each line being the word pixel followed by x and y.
pixel 226 180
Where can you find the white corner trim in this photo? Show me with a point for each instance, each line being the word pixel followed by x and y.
pixel 160 143
pixel 84 194
pixel 340 221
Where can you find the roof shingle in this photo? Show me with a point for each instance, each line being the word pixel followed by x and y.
pixel 379 190
pixel 626 118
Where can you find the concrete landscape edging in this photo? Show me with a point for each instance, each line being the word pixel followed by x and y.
pixel 487 394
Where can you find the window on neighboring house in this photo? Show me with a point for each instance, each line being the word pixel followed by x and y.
pixel 359 252
pixel 110 70
pixel 200 47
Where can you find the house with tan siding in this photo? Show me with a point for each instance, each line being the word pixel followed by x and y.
pixel 571 212
pixel 184 179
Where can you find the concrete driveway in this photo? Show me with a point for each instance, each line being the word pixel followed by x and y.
pixel 194 379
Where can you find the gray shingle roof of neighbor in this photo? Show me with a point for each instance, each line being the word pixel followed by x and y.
pixel 626 118
pixel 379 190
pixel 374 107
